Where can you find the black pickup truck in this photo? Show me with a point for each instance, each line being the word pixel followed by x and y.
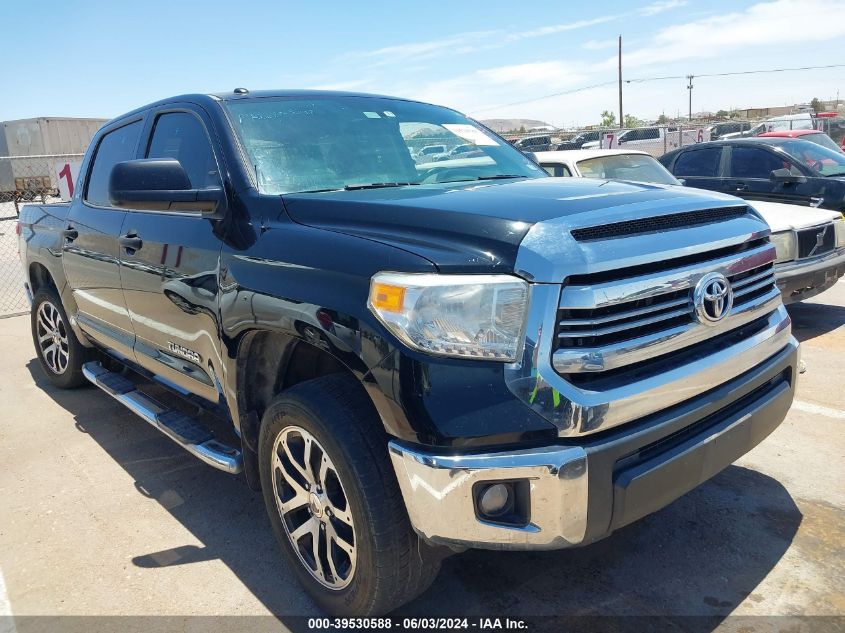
pixel 407 358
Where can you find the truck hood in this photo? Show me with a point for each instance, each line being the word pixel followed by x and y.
pixel 789 217
pixel 477 227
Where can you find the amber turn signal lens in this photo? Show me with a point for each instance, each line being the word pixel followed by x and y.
pixel 387 297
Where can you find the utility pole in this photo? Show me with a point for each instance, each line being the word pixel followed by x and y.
pixel 689 87
pixel 621 118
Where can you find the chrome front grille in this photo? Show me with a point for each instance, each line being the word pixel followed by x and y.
pixel 818 240
pixel 753 284
pixel 633 320
pixel 610 333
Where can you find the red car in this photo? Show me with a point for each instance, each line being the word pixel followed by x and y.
pixel 816 136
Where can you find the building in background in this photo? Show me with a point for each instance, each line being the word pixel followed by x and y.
pixel 29 148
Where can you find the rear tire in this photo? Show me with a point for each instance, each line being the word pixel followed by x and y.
pixel 59 351
pixel 351 491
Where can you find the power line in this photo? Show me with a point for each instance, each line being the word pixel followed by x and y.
pixel 646 79
pixel 738 72
pixel 549 96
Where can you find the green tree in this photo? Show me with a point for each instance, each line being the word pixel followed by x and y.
pixel 608 119
pixel 817 105
pixel 662 119
pixel 632 121
pixel 722 114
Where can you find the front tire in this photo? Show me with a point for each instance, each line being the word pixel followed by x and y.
pixel 334 502
pixel 59 351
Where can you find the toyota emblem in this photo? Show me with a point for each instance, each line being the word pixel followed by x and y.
pixel 712 298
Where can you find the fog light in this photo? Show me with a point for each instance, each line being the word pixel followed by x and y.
pixel 494 499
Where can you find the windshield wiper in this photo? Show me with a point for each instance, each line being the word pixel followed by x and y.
pixel 317 190
pixel 379 185
pixel 477 178
pixel 500 177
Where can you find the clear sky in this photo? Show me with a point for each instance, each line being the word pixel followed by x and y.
pixel 102 58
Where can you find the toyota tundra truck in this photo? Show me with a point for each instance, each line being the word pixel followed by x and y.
pixel 407 358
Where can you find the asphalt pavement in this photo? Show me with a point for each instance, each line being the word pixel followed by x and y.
pixel 102 515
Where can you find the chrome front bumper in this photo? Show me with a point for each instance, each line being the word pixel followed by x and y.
pixel 438 492
pixel 581 492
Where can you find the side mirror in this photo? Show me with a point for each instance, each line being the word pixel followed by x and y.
pixel 160 184
pixel 785 176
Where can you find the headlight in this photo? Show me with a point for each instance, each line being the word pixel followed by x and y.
pixel 785 246
pixel 839 227
pixel 462 316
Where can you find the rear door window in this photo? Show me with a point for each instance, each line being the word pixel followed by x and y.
pixel 702 162
pixel 115 147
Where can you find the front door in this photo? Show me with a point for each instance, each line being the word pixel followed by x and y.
pixel 170 279
pixel 90 253
pixel 750 176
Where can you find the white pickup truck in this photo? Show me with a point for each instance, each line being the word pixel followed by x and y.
pixel 654 140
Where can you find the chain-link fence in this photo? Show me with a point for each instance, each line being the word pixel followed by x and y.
pixel 40 179
pixel 655 140
pixel 659 139
pixel 12 297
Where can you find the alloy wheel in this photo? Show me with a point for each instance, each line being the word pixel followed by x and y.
pixel 314 507
pixel 52 336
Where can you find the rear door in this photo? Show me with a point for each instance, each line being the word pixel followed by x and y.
pixel 701 167
pixel 170 280
pixel 90 254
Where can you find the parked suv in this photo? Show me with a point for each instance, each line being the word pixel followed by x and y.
pixel 534 143
pixel 718 130
pixel 408 360
pixel 430 153
pixel 578 140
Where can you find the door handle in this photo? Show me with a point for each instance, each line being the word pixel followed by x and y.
pixel 70 234
pixel 131 242
pixel 741 186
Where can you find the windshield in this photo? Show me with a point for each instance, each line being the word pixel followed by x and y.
pixel 823 161
pixel 299 145
pixel 821 139
pixel 637 167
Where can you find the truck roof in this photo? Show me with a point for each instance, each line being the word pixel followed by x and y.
pixel 252 94
pixel 213 97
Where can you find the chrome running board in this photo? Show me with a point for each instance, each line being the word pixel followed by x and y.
pixel 181 428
